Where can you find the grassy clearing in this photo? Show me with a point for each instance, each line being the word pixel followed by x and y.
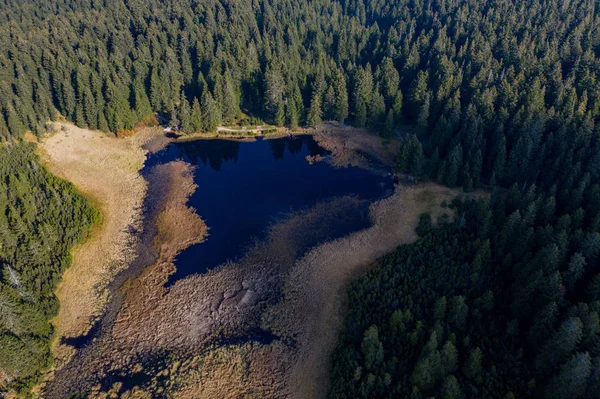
pixel 316 287
pixel 106 170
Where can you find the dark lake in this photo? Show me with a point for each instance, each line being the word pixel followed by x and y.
pixel 243 187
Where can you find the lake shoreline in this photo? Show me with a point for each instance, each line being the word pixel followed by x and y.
pixel 342 143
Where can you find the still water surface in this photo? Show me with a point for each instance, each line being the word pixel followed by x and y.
pixel 243 187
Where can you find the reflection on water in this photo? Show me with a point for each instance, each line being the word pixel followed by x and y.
pixel 244 186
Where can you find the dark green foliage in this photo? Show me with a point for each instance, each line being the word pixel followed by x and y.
pixel 196 123
pixel 388 126
pixel 477 308
pixel 41 218
pixel 410 157
pixel 211 115
pixel 503 94
pixel 425 224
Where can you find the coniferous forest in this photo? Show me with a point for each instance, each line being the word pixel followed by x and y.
pixel 502 95
pixel 41 218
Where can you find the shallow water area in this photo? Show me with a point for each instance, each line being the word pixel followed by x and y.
pixel 244 187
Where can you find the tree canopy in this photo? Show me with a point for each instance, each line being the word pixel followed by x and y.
pixel 499 94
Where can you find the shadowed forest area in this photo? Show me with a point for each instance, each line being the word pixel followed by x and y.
pixel 42 218
pixel 503 95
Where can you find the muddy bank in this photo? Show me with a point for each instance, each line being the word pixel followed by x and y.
pixel 263 326
pixel 285 288
pixel 106 170
pixel 355 147
pixel 204 314
pixel 316 286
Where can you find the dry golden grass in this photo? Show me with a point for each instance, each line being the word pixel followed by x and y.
pixel 106 170
pixel 228 300
pixel 350 146
pixel 319 280
pixel 232 372
pixel 137 323
pixel 177 226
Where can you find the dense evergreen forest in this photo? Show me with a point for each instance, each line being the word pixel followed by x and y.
pixel 41 218
pixel 501 94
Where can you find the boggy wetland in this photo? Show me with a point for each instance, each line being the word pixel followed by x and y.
pixel 243 253
pixel 299 199
pixel 243 187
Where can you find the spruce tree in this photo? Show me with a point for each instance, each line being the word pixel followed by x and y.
pixel 141 102
pixel 211 115
pixel 196 122
pixel 185 114
pixel 341 98
pixel 315 111
pixel 388 127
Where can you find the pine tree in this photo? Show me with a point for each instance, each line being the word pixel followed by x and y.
pixel 571 380
pixel 279 119
pixel 458 312
pixel 543 324
pixel 451 388
pixel 329 104
pixel 79 115
pixel 185 114
pixel 174 121
pixel 434 163
pixel 141 102
pixel 315 111
pixel 593 289
pixel 118 113
pixel 417 159
pixel 397 105
pixel 575 270
pixel 418 93
pixel 371 347
pixel 390 79
pixel 560 346
pixel 388 127
pixel 472 366
pixel 360 119
pixel 292 114
pixel 449 358
pixel 230 105
pixel 452 166
pixel 341 98
pixel 499 158
pixel 376 110
pixel 211 115
pixel 476 169
pixel 423 118
pixel 196 122
pixel 90 109
pixel 156 95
